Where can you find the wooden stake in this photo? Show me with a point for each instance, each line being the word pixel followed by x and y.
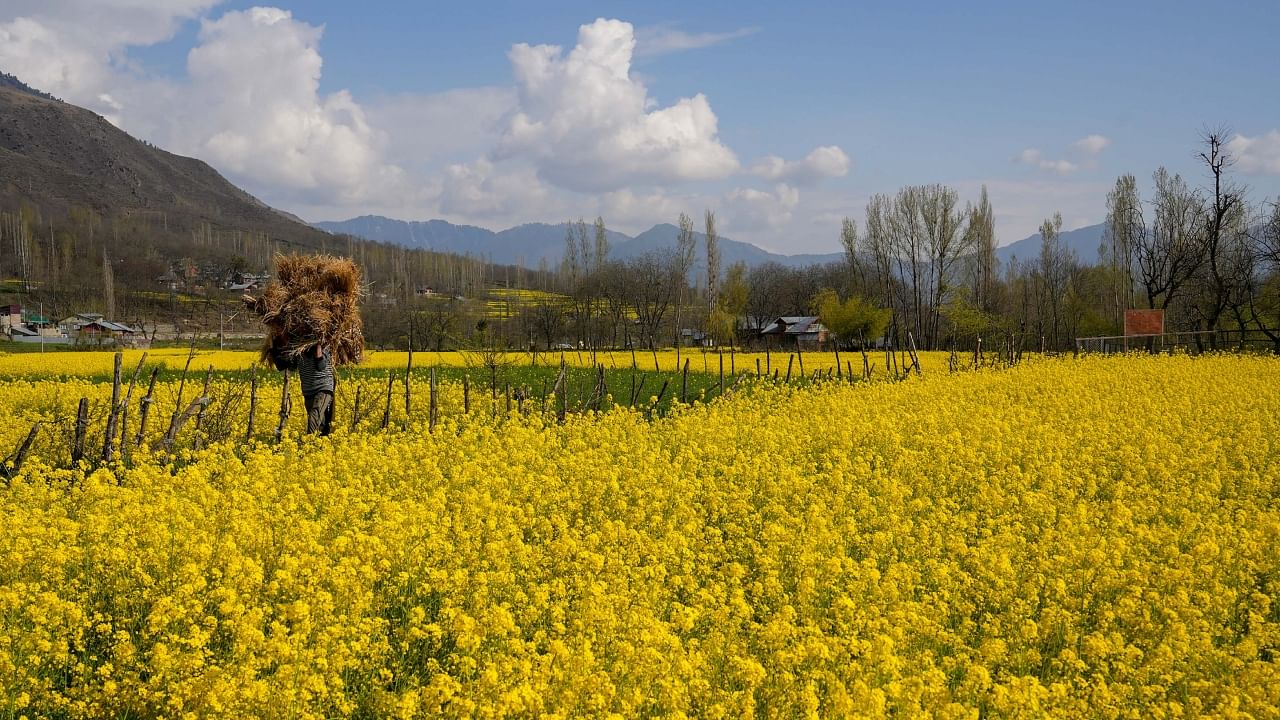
pixel 82 425
pixel 684 383
pixel 182 385
pixel 253 402
pixel 124 407
pixel 146 407
pixel 790 359
pixel 204 395
pixel 466 395
pixel 408 390
pixel 20 456
pixel 386 409
pixel 109 439
pixel 355 409
pixel 285 407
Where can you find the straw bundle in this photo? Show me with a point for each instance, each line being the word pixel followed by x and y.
pixel 314 299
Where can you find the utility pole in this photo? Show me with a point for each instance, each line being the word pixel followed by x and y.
pixel 221 324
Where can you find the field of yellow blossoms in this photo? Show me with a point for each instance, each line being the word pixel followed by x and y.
pixel 1094 537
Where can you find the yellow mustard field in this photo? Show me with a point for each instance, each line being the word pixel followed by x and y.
pixel 1067 538
pixel 97 363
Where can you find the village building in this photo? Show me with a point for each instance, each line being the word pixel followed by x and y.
pixel 795 331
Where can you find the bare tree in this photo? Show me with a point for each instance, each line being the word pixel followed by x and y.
pixel 1223 249
pixel 982 238
pixel 713 261
pixel 686 249
pixel 1170 254
pixel 1125 230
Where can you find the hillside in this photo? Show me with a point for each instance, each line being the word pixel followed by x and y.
pixel 1083 242
pixel 60 156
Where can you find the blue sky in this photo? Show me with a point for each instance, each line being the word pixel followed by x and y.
pixel 806 109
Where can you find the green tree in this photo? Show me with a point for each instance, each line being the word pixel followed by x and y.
pixel 851 319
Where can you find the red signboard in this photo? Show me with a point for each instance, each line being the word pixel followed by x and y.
pixel 1143 322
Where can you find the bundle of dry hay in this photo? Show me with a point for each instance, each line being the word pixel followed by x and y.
pixel 314 299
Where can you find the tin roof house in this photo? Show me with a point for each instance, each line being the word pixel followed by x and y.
pixel 802 331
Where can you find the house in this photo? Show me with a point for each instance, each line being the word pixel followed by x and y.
pixel 802 331
pixel 71 325
pixel 10 317
pixel 696 338
pixel 102 332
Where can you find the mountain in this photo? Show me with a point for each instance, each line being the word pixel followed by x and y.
pixel 1084 242
pixel 534 242
pixel 60 156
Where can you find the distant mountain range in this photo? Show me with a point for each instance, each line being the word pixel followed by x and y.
pixel 1084 242
pixel 529 244
pixel 534 242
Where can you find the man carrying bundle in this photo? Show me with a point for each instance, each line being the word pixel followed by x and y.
pixel 312 316
pixel 315 375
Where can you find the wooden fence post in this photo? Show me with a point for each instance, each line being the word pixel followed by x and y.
pixel 109 438
pixel 20 456
pixel 466 394
pixel 790 359
pixel 285 406
pixel 386 409
pixel 146 403
pixel 204 396
pixel 355 408
pixel 253 401
pixel 82 426
pixel 684 383
pixel 408 382
pixel 124 408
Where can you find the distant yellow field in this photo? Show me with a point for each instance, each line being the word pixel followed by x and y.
pixel 88 363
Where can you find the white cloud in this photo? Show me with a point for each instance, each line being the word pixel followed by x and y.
pixel 1086 151
pixel 1258 155
pixel 588 125
pixel 1091 144
pixel 250 105
pixel 451 126
pixel 662 39
pixel 76 49
pixel 253 109
pixel 745 208
pixel 1036 159
pixel 828 161
pixel 479 190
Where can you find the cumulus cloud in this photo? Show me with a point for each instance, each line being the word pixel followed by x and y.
pixel 588 125
pixel 250 103
pixel 77 49
pixel 1258 155
pixel 1035 158
pixel 828 161
pixel 255 110
pixel 662 39
pixel 480 190
pixel 748 207
pixel 1091 144
pixel 1085 150
pixel 451 126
